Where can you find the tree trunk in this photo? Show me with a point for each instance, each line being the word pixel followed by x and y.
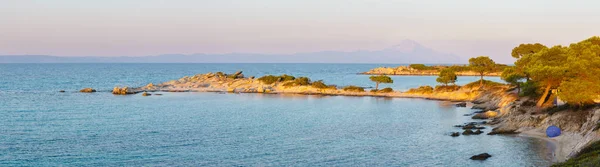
pixel 376 85
pixel 543 99
pixel 481 81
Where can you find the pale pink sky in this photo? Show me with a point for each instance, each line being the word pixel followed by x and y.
pixel 151 27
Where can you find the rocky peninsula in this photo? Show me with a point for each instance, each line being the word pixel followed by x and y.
pixel 425 71
pixel 237 83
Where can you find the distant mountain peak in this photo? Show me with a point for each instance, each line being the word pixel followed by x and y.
pixel 406 46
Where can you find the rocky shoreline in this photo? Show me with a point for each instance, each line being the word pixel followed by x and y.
pixel 405 70
pixel 508 114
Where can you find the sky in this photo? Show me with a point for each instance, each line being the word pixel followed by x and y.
pixel 152 27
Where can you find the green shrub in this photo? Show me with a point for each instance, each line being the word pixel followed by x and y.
pixel 353 88
pixel 421 67
pixel 486 83
pixel 269 79
pixel 286 77
pixel 319 84
pixel 302 81
pixel 459 68
pixel 421 89
pixel 530 89
pixel 449 88
pixel 386 90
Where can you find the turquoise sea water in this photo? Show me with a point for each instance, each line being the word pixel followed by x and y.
pixel 42 127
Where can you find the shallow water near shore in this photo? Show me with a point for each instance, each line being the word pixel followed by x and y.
pixel 42 127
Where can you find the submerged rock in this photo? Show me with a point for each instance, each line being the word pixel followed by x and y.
pixel 467 132
pixel 87 90
pixel 158 94
pixel 463 104
pixel 477 132
pixel 146 94
pixel 62 91
pixel 470 126
pixel 455 134
pixel 482 156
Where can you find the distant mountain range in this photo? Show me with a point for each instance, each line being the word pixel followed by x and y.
pixel 407 51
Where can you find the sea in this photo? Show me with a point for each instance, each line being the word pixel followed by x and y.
pixel 39 126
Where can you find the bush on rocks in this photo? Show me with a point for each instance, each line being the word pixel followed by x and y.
pixel 353 88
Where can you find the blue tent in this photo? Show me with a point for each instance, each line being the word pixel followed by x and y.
pixel 553 131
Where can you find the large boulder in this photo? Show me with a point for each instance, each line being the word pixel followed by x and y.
pixel 146 94
pixel 87 90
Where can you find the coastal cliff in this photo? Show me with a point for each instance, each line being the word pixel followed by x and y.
pixel 433 71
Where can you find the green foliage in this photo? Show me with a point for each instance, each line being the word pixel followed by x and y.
pixel 319 84
pixel 270 79
pixel 482 64
pixel 530 89
pixel 446 88
pixel 527 49
pixel 446 77
pixel 286 77
pixel 512 76
pixel 353 88
pixel 486 83
pixel 421 89
pixel 381 79
pixel 579 91
pixel 301 81
pixel 420 67
pixel 386 90
pixel 459 68
pixel 549 68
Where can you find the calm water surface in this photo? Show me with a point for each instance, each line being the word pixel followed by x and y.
pixel 41 127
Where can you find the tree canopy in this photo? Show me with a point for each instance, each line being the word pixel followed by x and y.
pixel 527 49
pixel 381 79
pixel 513 76
pixel 573 70
pixel 482 65
pixel 446 77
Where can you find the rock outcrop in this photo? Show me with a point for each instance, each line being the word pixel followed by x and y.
pixel 482 156
pixel 87 90
pixel 123 91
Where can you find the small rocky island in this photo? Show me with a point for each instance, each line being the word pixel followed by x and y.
pixel 423 70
